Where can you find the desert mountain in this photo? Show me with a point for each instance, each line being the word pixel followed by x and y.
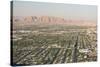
pixel 29 20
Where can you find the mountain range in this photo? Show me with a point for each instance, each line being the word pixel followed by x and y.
pixel 51 20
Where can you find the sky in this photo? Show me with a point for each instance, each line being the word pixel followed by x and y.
pixel 67 11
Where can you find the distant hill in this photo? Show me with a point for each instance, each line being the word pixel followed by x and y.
pixel 49 20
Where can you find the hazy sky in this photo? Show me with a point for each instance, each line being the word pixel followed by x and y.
pixel 69 11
